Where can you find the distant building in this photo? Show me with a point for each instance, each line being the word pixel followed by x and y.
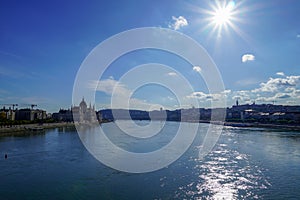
pixel 63 115
pixel 83 113
pixel 264 113
pixel 30 114
pixel 8 114
pixel 22 114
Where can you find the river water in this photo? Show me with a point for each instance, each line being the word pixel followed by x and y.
pixel 246 163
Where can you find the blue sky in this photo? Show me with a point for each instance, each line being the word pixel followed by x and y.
pixel 43 43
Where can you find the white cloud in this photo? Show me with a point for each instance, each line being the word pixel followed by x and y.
pixel 276 84
pixel 281 90
pixel 209 97
pixel 280 74
pixel 199 95
pixel 298 36
pixel 197 69
pixel 248 57
pixel 171 74
pixel 178 22
pixel 274 98
pixel 243 95
pixel 226 92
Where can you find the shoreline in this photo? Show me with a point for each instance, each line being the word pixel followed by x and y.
pixel 28 129
pixel 34 129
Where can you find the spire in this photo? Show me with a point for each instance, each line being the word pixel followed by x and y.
pixel 83 104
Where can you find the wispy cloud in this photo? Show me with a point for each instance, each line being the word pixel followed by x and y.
pixel 280 74
pixel 10 54
pixel 248 57
pixel 34 100
pixel 10 72
pixel 172 74
pixel 178 22
pixel 247 82
pixel 3 91
pixel 108 86
pixel 25 102
pixel 122 95
pixel 197 69
pixel 298 36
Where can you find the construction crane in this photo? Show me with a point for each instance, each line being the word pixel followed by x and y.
pixel 13 105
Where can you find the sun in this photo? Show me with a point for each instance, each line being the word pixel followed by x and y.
pixel 222 19
pixel 222 16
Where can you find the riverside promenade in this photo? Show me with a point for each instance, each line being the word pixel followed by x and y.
pixel 24 129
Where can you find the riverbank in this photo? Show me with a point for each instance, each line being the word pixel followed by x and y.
pixel 28 129
pixel 25 129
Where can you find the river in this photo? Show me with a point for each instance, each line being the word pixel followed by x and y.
pixel 246 163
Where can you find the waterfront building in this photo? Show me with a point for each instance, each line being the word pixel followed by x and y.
pixel 264 113
pixel 63 115
pixel 8 114
pixel 83 113
pixel 30 114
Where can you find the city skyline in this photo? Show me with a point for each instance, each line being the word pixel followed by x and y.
pixel 255 47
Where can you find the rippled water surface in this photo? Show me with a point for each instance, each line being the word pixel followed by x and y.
pixel 245 164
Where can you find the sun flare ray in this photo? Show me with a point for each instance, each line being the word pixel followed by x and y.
pixel 222 15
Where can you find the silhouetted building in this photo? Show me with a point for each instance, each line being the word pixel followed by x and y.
pixel 264 113
pixel 30 114
pixel 63 115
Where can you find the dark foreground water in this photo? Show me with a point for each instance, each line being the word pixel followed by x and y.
pixel 245 164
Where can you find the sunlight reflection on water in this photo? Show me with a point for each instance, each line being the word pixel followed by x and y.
pixel 225 174
pixel 245 164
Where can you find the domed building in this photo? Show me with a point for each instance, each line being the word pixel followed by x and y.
pixel 83 113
